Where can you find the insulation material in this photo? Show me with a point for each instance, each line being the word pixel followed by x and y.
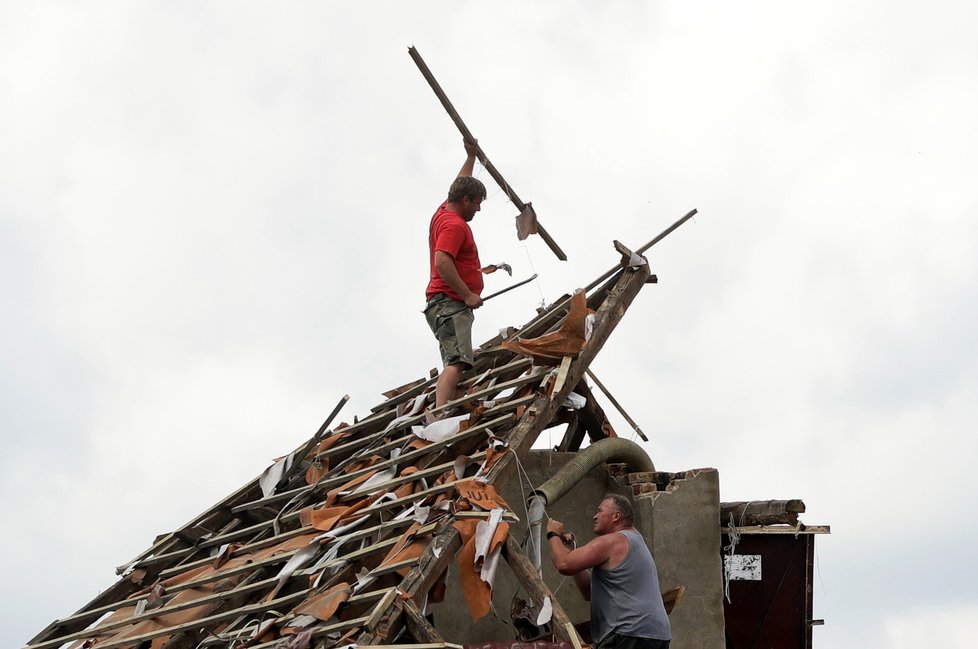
pixel 323 605
pixel 224 553
pixel 476 590
pixel 492 268
pixel 317 471
pixel 271 476
pixel 347 487
pixel 378 478
pixel 574 401
pixel 489 538
pixel 497 449
pixel 546 612
pixel 332 440
pixel 296 561
pixel 526 222
pixel 479 494
pixel 567 341
pixel 440 430
pixel 408 547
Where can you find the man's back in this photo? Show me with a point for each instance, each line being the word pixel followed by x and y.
pixel 626 598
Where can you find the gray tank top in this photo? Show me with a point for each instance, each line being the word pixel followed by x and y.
pixel 626 599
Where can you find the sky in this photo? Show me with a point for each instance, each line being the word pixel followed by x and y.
pixel 213 221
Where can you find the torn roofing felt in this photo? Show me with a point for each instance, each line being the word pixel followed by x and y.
pixel 347 540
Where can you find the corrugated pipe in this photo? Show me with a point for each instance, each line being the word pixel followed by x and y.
pixel 612 449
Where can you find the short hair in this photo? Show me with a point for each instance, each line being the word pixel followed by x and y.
pixel 466 186
pixel 623 505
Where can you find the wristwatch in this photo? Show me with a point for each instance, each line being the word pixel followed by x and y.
pixel 551 534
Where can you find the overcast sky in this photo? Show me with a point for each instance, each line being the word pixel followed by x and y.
pixel 213 222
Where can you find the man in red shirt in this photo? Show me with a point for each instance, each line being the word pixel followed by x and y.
pixel 456 279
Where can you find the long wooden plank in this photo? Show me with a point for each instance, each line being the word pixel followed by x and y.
pixel 357 535
pixel 317 633
pixel 491 168
pixel 618 406
pixel 520 363
pixel 527 575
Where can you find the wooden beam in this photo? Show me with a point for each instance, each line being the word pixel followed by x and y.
pixel 761 512
pixel 491 168
pixel 315 439
pixel 618 406
pixel 627 285
pixel 528 577
pixel 432 563
pixel 420 628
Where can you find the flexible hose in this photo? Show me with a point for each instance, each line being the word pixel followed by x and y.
pixel 611 449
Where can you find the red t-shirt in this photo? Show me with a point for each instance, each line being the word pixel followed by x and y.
pixel 451 234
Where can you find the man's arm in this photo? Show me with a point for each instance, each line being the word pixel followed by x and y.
pixel 471 151
pixel 445 267
pixel 582 580
pixel 578 561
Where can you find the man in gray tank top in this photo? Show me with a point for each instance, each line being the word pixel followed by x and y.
pixel 616 573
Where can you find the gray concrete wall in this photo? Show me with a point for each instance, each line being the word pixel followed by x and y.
pixel 693 546
pixel 681 523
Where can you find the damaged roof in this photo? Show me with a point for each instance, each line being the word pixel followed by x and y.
pixel 347 540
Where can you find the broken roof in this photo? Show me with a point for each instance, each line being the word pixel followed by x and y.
pixel 347 539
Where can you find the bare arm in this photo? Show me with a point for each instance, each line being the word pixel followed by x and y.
pixel 582 580
pixel 445 267
pixel 570 560
pixel 471 152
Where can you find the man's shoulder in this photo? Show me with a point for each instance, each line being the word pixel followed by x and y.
pixel 448 219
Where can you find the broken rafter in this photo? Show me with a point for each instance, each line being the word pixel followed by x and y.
pixel 528 577
pixel 627 285
pixel 618 406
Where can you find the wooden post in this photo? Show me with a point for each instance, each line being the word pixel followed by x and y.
pixel 420 628
pixel 526 572
pixel 433 562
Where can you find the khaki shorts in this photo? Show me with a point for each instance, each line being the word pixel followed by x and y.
pixel 454 333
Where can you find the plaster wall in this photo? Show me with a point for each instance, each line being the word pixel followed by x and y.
pixel 681 523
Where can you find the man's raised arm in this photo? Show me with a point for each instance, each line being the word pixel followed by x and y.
pixel 471 152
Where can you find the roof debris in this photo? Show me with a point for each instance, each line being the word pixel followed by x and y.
pixel 347 540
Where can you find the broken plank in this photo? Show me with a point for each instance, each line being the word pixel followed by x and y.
pixel 526 573
pixel 420 628
pixel 627 286
pixel 618 406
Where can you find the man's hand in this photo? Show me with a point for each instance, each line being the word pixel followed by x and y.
pixel 567 538
pixel 473 301
pixel 471 153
